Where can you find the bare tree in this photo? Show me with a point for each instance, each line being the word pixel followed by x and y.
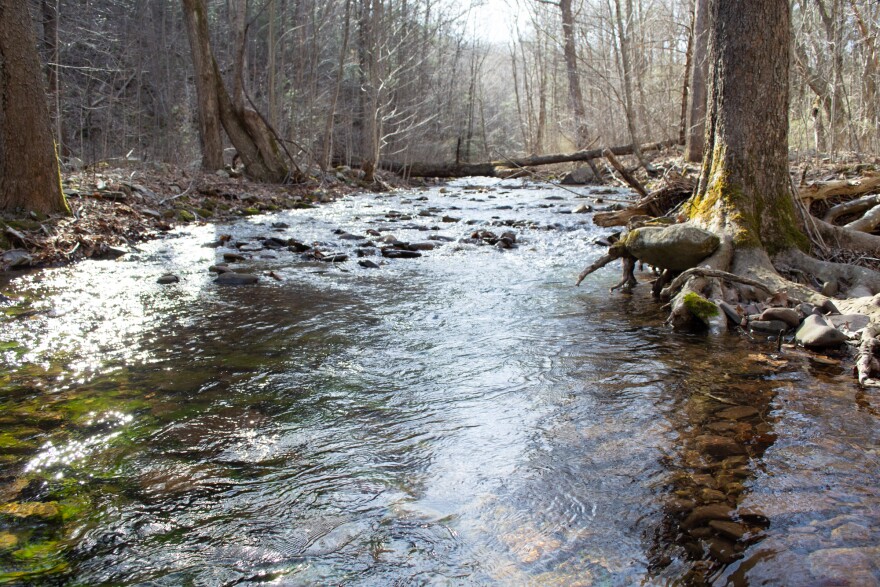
pixel 29 175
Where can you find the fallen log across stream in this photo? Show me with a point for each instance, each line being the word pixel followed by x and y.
pixel 496 168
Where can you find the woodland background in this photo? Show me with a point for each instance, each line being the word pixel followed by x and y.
pixel 120 76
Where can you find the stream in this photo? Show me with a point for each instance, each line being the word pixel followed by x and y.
pixel 467 417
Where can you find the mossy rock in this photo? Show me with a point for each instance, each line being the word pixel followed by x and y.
pixel 250 212
pixel 204 212
pixel 185 216
pixel 8 541
pixel 169 214
pixel 32 511
pixel 39 550
pixel 700 307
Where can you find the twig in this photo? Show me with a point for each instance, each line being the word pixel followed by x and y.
pixel 180 195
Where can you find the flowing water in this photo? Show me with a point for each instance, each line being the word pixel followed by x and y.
pixel 464 418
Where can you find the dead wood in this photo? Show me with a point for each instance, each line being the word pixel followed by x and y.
pixel 842 188
pixel 626 175
pixel 676 190
pixel 613 253
pixel 490 168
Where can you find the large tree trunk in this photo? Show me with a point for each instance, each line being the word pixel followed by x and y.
pixel 250 134
pixel 575 95
pixel 696 114
pixel 745 189
pixel 29 175
pixel 210 134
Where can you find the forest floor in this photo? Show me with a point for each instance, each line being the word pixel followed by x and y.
pixel 113 208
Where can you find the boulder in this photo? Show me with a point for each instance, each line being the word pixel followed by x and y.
pixel 579 176
pixel 677 247
pixel 816 332
pixel 15 258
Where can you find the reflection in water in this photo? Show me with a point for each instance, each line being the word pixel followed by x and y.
pixel 467 417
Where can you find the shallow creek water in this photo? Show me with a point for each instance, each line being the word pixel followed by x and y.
pixel 465 418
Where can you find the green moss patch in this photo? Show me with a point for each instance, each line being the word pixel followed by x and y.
pixel 700 307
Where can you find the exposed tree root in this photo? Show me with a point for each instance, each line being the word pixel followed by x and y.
pixel 868 222
pixel 852 207
pixel 705 272
pixel 844 238
pixel 613 253
pixel 863 281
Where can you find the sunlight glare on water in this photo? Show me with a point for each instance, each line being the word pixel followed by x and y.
pixel 467 417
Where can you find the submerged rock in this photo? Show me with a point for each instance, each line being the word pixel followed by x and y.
pixel 816 332
pixel 46 511
pixel 233 278
pixel 368 264
pixel 719 446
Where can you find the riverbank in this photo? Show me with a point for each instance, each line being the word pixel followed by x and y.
pixel 112 208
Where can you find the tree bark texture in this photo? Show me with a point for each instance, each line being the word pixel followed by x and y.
pixel 695 139
pixel 210 134
pixel 250 134
pixel 29 174
pixel 745 188
pixel 575 95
